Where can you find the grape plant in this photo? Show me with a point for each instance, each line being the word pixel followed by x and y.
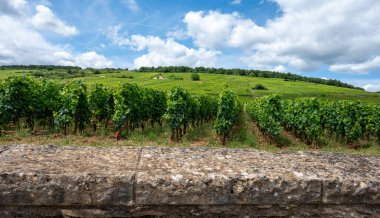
pixel 267 112
pixel 98 99
pixel 74 107
pixel 177 112
pixel 311 118
pixel 227 114
pixel 184 108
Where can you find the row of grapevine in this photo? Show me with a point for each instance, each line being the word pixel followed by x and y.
pixel 74 107
pixel 228 111
pixel 309 118
pixel 267 111
pixel 184 108
pixel 77 106
pixel 28 99
pixel 351 120
pixel 303 117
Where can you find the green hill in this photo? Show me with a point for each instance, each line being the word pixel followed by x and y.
pixel 209 83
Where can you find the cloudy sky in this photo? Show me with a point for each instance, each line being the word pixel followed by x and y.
pixel 337 39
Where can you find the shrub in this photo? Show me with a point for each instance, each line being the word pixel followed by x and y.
pixel 259 87
pixel 195 77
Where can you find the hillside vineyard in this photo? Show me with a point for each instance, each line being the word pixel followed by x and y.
pixel 127 107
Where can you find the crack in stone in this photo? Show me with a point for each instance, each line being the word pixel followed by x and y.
pixel 134 177
pixel 321 199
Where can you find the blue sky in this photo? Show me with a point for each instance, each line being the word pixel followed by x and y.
pixel 337 39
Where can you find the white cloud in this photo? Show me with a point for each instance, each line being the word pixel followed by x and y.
pixel 88 59
pixel 162 52
pixel 344 34
pixel 179 34
pixel 132 5
pixel 169 52
pixel 360 68
pixel 280 68
pixel 45 19
pixel 15 7
pixel 236 2
pixel 26 45
pixel 210 30
pixel 93 60
pixel 372 87
pixel 116 37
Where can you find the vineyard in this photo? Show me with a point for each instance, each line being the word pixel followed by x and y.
pixel 310 118
pixel 75 108
pixel 123 109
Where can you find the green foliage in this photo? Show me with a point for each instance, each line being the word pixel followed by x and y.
pixel 184 108
pixel 211 84
pixel 228 111
pixel 74 106
pixel 309 118
pixel 350 120
pixel 128 99
pixel 100 108
pixel 195 77
pixel 157 105
pixel 26 100
pixel 376 120
pixel 5 110
pixel 259 87
pixel 178 112
pixel 19 98
pixel 208 108
pixel 48 100
pixel 302 116
pixel 267 112
pixel 242 72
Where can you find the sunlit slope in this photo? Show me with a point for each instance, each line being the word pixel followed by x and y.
pixel 214 83
pixel 242 85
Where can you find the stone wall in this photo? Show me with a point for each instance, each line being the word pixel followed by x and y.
pixel 51 181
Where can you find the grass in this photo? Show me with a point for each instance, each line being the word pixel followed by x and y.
pixel 245 135
pixel 212 84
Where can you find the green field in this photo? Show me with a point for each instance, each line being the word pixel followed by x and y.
pixel 213 84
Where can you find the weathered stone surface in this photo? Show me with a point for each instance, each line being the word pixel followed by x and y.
pixel 299 210
pixel 237 176
pixel 50 175
pixel 52 181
